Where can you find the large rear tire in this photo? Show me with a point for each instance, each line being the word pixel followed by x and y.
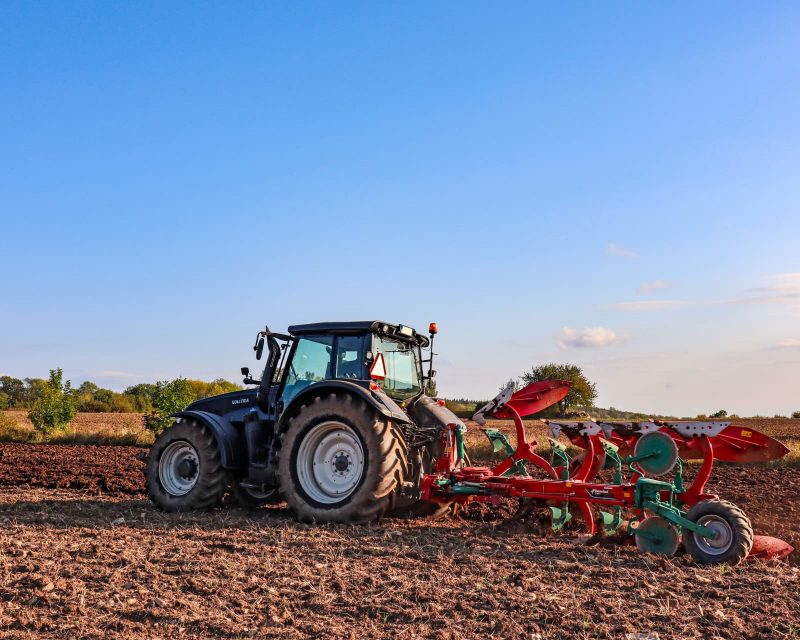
pixel 184 472
pixel 340 461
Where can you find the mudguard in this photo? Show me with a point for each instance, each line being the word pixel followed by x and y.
pixel 232 446
pixel 379 401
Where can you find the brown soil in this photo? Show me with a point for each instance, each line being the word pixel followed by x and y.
pixel 84 555
pixel 97 469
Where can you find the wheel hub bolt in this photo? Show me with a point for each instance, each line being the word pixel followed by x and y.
pixel 341 463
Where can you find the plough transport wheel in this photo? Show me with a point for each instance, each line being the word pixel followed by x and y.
pixel 733 537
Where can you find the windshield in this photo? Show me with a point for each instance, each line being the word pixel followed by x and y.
pixel 402 368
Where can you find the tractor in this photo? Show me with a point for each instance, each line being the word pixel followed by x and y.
pixel 339 426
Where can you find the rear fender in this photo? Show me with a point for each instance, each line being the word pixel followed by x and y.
pixel 231 444
pixel 382 403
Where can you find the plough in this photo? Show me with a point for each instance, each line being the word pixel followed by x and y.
pixel 635 500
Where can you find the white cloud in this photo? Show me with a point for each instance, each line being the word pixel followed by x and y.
pixel 647 305
pixel 789 343
pixel 784 288
pixel 590 337
pixel 781 282
pixel 649 287
pixel 620 252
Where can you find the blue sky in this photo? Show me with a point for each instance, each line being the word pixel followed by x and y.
pixel 610 184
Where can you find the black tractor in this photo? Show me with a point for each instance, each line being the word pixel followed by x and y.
pixel 339 426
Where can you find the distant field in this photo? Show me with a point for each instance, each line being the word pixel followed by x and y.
pixel 86 428
pixel 128 429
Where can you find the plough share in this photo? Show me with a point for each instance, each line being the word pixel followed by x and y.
pixel 658 513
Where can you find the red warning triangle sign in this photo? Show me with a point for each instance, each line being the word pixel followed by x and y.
pixel 378 369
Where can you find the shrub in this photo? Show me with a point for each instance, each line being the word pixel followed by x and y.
pixel 796 415
pixel 56 407
pixel 719 414
pixel 10 431
pixel 167 398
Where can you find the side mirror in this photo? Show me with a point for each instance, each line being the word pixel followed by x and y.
pixel 245 371
pixel 259 348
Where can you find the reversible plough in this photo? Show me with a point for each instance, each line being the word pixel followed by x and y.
pixel 629 456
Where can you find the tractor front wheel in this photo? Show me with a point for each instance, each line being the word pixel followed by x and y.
pixel 340 461
pixel 184 472
pixel 733 533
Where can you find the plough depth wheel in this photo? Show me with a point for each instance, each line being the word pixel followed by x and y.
pixel 733 537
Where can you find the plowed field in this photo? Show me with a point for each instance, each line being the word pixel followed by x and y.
pixel 84 555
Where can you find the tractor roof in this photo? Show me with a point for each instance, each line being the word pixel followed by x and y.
pixel 399 332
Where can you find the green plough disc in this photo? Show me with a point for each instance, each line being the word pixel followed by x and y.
pixel 656 453
pixel 656 535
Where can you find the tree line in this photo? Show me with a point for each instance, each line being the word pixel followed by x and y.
pixel 53 403
pixel 89 397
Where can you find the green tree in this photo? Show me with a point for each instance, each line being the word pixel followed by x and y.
pixel 35 388
pixel 582 393
pixel 89 388
pixel 14 388
pixel 56 407
pixel 719 414
pixel 796 415
pixel 142 396
pixel 430 388
pixel 167 398
pixel 4 400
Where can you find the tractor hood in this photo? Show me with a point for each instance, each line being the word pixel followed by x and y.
pixel 226 402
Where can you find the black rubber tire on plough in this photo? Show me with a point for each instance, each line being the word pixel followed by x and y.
pixel 733 522
pixel 242 497
pixel 411 508
pixel 384 456
pixel 210 481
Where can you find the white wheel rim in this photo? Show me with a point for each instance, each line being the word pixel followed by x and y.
pixel 723 535
pixel 330 462
pixel 179 468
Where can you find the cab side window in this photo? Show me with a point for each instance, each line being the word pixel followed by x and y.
pixel 311 363
pixel 349 361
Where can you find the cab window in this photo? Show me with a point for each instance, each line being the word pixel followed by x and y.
pixel 349 360
pixel 311 363
pixel 403 368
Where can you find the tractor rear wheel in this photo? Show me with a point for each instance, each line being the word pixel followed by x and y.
pixel 184 471
pixel 733 537
pixel 340 461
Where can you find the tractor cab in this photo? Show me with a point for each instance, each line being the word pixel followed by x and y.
pixel 373 355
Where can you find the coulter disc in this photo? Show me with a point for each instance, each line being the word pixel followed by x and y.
pixel 658 451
